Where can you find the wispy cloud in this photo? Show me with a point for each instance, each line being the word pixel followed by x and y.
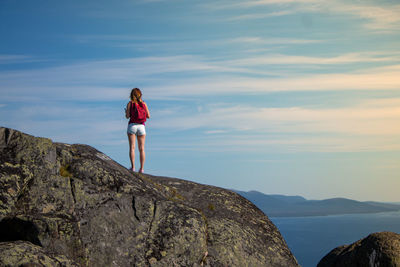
pixel 373 79
pixel 159 44
pixel 370 125
pixel 252 3
pixel 17 59
pixel 306 60
pixel 273 2
pixel 215 132
pixel 269 41
pixel 382 17
pixel 99 80
pixel 113 38
pixel 284 144
pixel 89 80
pixel 367 126
pixel 259 15
pixel 360 119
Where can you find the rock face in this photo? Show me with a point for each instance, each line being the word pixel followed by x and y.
pixel 71 205
pixel 20 253
pixel 376 250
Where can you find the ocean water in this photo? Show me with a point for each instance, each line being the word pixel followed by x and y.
pixel 311 238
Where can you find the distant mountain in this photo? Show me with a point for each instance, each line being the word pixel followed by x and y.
pixel 297 206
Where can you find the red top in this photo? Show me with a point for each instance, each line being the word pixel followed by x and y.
pixel 138 112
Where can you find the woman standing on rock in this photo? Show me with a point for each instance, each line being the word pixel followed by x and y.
pixel 137 113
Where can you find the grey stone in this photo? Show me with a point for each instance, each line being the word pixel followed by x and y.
pixel 376 250
pixel 73 203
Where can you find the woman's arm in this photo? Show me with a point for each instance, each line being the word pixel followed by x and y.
pixel 128 111
pixel 147 111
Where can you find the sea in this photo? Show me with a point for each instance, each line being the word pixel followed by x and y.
pixel 311 238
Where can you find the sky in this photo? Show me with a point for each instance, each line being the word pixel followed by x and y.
pixel 294 97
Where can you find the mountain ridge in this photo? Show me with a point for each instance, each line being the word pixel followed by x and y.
pixel 297 206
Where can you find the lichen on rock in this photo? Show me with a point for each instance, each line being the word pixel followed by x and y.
pixel 20 253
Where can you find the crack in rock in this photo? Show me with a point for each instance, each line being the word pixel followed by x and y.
pixel 134 209
pixel 72 186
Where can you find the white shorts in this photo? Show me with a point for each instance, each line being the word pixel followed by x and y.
pixel 136 129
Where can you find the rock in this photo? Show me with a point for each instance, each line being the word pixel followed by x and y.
pixel 378 249
pixel 73 205
pixel 23 253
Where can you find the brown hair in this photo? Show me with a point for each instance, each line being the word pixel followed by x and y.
pixel 136 95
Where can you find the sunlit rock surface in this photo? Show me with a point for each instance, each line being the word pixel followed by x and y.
pixel 376 250
pixel 71 205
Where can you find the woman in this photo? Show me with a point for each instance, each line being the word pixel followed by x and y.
pixel 137 113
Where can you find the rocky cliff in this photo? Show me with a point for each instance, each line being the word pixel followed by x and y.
pixel 71 205
pixel 376 250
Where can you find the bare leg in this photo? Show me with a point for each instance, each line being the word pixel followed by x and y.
pixel 131 138
pixel 141 140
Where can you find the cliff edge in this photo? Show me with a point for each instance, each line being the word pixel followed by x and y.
pixel 71 205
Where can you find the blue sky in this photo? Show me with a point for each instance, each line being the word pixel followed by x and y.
pixel 296 97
